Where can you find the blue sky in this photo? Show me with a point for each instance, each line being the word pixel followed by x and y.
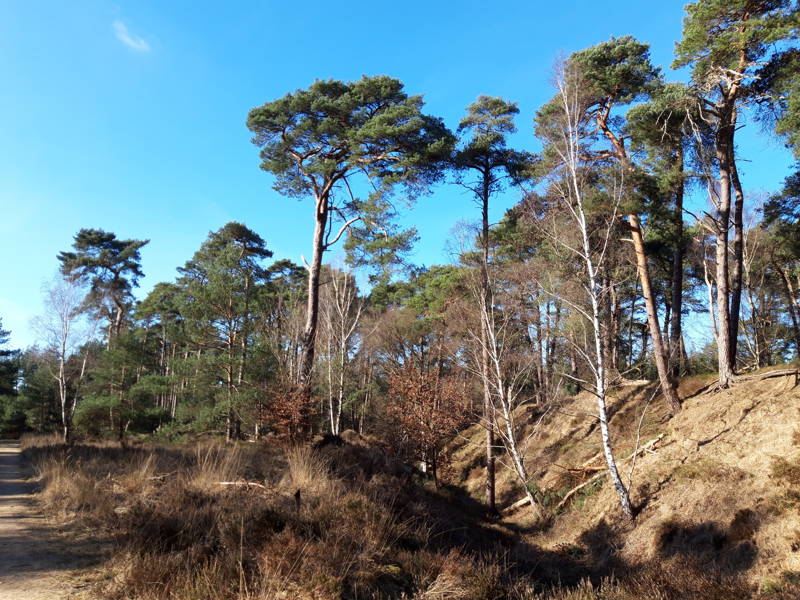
pixel 130 116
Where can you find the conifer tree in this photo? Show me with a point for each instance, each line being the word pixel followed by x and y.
pixel 728 44
pixel 329 139
pixel 111 268
pixel 483 163
pixel 614 74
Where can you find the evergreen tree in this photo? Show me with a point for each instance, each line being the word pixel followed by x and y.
pixel 12 418
pixel 727 43
pixel 316 142
pixel 483 162
pixel 662 129
pixel 614 74
pixel 111 268
pixel 219 288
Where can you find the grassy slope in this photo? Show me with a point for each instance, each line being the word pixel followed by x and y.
pixel 722 487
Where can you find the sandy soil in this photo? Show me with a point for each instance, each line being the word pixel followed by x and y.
pixel 37 561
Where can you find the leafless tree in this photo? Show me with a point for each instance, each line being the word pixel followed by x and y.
pixel 341 314
pixel 66 331
pixel 569 188
pixel 501 357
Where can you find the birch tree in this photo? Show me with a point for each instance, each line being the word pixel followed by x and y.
pixel 341 315
pixel 483 163
pixel 501 341
pixel 616 73
pixel 66 333
pixel 564 127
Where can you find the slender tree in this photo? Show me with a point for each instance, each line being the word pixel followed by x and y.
pixel 483 162
pixel 565 129
pixel 66 336
pixel 616 73
pixel 661 129
pixel 342 310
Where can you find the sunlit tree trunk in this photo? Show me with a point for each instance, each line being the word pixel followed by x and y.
pixel 309 337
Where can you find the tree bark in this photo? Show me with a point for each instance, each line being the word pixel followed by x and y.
pixel 312 306
pixel 667 384
pixel 601 382
pixel 488 412
pixel 722 225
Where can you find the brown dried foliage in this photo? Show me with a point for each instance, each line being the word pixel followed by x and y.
pixel 427 409
pixel 289 411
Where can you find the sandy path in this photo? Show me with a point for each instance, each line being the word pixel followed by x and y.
pixel 36 563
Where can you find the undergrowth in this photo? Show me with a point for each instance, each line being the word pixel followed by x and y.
pixel 260 522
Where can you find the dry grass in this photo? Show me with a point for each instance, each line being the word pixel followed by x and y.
pixel 719 514
pixel 726 452
pixel 307 471
pixel 213 463
pixel 359 532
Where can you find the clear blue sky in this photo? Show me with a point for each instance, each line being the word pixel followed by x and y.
pixel 129 116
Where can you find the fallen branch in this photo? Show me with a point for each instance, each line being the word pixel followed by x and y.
pixel 588 462
pixel 637 452
pixel 252 483
pixel 518 504
pixel 714 385
pixel 645 448
pixel 769 374
pixel 578 488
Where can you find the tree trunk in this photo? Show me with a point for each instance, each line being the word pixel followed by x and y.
pixel 722 225
pixel 738 259
pixel 667 384
pixel 791 303
pixel 612 331
pixel 668 387
pixel 600 390
pixel 488 412
pixel 632 321
pixel 312 306
pixel 677 277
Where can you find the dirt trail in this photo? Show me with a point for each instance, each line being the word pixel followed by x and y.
pixel 35 562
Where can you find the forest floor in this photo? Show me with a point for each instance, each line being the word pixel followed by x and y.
pixel 39 561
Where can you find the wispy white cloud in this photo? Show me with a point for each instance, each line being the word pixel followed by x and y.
pixel 131 40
